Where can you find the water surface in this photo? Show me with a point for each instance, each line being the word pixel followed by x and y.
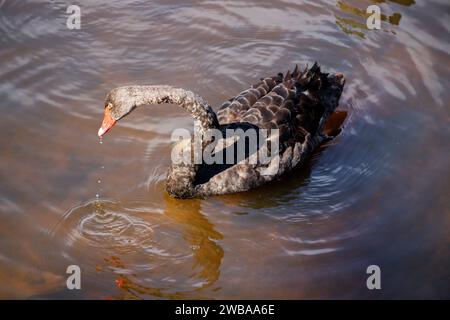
pixel 378 194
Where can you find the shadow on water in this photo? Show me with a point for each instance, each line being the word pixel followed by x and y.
pixel 207 254
pixel 353 17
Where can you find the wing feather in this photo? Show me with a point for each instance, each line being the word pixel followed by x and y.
pixel 295 103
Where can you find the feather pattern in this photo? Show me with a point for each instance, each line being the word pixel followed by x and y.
pixel 294 103
pixel 297 104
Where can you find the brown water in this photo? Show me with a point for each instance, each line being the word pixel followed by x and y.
pixel 378 194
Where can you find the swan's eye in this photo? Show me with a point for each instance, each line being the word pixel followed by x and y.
pixel 109 106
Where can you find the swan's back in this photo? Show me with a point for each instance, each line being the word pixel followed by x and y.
pixel 294 103
pixel 297 104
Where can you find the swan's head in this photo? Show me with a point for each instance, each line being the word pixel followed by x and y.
pixel 118 103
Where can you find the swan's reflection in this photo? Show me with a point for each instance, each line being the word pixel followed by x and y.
pixel 207 254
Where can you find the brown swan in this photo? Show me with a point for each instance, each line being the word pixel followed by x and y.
pixel 297 104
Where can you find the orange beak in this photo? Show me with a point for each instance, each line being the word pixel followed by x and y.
pixel 108 123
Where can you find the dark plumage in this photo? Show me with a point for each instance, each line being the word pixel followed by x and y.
pixel 298 104
pixel 294 103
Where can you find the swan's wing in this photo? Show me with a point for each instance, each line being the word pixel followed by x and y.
pixel 296 103
pixel 235 108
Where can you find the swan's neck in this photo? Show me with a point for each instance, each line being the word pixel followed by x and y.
pixel 191 102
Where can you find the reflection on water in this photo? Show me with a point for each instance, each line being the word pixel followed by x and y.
pixel 353 15
pixel 171 254
pixel 377 194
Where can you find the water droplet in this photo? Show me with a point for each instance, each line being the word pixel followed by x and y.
pixel 101 141
pixel 97 196
pixel 99 181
